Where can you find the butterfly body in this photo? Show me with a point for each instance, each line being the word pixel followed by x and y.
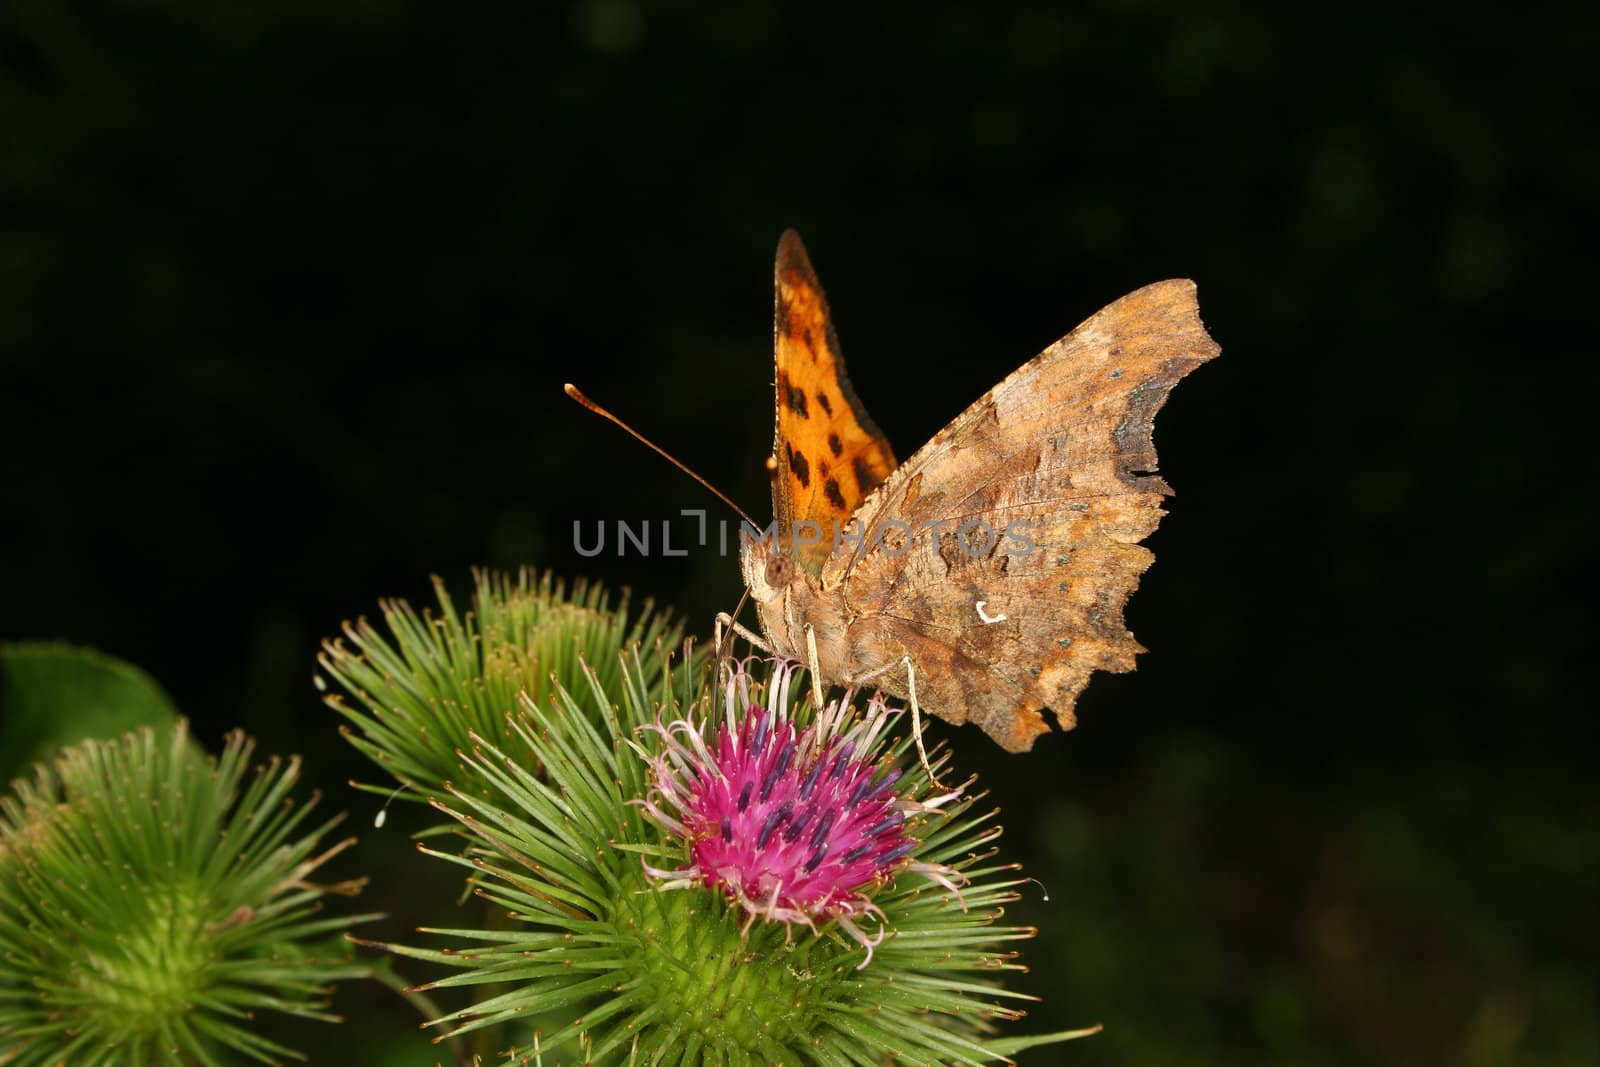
pixel 997 559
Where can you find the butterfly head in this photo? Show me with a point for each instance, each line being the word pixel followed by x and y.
pixel 768 570
pixel 799 621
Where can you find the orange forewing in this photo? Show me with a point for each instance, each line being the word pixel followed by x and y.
pixel 828 454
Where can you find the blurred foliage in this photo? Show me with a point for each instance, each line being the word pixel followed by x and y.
pixel 287 292
pixel 55 695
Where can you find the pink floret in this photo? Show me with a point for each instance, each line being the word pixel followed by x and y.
pixel 789 826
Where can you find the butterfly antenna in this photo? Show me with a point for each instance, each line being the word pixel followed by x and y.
pixel 725 645
pixel 574 393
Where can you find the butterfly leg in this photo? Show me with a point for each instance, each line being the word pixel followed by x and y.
pixel 814 665
pixel 916 710
pixel 916 722
pixel 734 627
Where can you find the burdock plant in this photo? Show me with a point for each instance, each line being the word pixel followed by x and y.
pixel 439 677
pixel 696 865
pixel 153 900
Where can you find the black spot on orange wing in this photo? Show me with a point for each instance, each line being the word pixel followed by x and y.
pixel 827 406
pixel 834 444
pixel 864 477
pixel 800 466
pixel 831 489
pixel 795 397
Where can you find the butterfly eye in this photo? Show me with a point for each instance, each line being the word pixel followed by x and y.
pixel 779 570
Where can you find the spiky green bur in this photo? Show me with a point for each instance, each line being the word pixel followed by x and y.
pixel 611 962
pixel 153 899
pixel 422 690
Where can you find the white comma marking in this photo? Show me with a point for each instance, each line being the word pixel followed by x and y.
pixel 986 619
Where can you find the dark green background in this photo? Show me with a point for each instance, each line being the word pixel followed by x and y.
pixel 288 291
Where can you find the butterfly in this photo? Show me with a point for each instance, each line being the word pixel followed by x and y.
pixel 985 577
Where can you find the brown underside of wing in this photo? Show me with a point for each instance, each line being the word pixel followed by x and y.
pixel 829 454
pixel 1058 465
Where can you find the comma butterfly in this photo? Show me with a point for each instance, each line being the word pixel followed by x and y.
pixel 988 571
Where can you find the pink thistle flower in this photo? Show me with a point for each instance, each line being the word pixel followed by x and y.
pixel 794 822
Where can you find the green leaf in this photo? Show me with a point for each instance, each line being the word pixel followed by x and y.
pixel 53 695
